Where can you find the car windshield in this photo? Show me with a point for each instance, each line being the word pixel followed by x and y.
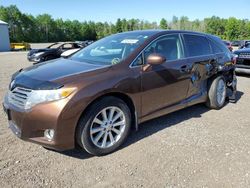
pixel 235 43
pixel 110 50
pixel 247 45
pixel 55 45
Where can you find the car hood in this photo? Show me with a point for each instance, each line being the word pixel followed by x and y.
pixel 33 51
pixel 45 75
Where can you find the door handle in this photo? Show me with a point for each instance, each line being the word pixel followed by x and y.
pixel 185 69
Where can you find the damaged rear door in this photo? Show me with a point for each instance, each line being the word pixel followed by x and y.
pixel 201 60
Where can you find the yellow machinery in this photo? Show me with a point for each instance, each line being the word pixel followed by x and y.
pixel 20 46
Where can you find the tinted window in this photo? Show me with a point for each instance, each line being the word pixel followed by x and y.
pixel 247 45
pixel 197 45
pixel 220 44
pixel 169 46
pixel 235 43
pixel 215 47
pixel 138 61
pixel 55 45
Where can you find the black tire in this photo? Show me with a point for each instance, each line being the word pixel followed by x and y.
pixel 49 149
pixel 83 135
pixel 212 101
pixel 49 57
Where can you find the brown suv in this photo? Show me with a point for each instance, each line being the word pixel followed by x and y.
pixel 96 96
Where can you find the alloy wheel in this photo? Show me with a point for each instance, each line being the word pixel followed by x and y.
pixel 107 127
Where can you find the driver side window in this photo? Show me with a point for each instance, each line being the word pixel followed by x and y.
pixel 169 46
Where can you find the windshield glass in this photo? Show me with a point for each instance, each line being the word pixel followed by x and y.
pixel 247 45
pixel 110 50
pixel 235 43
pixel 56 45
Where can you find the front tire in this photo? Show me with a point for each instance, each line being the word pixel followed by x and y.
pixel 216 93
pixel 49 57
pixel 104 127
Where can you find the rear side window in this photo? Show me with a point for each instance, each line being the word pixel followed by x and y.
pixel 215 47
pixel 197 45
pixel 218 42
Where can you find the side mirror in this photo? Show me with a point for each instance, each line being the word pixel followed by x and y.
pixel 156 59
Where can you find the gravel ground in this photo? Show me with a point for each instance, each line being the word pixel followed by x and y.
pixel 194 147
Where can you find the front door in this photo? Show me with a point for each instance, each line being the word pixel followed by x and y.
pixel 167 84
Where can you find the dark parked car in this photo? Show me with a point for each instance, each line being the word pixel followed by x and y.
pixel 243 59
pixel 245 44
pixel 85 42
pixel 228 45
pixel 236 43
pixel 97 95
pixel 51 52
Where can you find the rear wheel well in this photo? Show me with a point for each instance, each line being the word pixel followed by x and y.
pixel 209 80
pixel 228 76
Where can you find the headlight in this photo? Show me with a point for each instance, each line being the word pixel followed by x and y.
pixel 40 96
pixel 38 54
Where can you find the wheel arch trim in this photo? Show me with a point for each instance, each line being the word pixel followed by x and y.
pixel 124 97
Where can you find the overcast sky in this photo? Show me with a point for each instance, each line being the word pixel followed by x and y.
pixel 151 10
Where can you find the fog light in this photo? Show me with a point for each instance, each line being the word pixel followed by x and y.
pixel 49 134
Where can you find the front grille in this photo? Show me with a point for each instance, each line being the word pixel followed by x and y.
pixel 18 96
pixel 244 55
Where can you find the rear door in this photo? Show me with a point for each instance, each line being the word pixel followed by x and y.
pixel 200 58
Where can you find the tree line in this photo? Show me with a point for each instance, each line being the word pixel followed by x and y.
pixel 43 28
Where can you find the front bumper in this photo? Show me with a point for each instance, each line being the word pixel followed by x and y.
pixel 30 125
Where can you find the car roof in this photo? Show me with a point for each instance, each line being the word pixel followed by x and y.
pixel 153 32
